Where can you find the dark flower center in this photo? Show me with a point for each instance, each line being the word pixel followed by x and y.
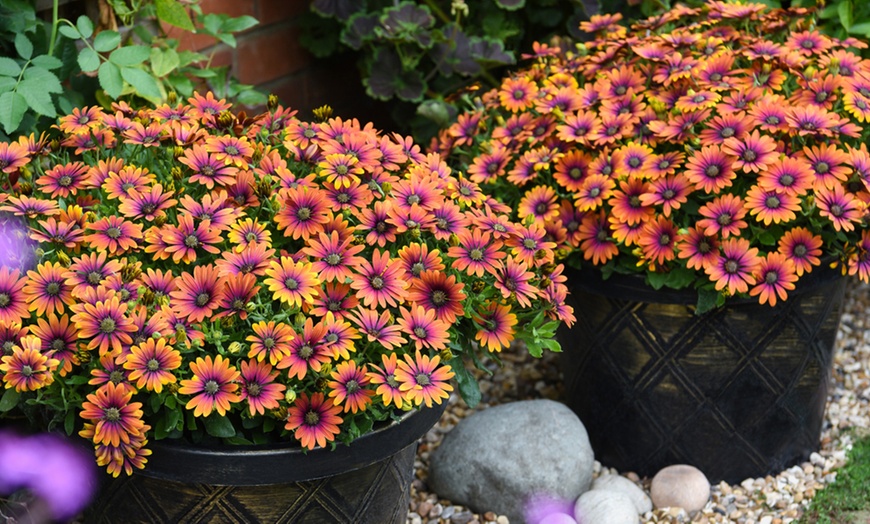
pixel 231 150
pixel 64 181
pixel 191 241
pixel 772 202
pixel 94 278
pixel 420 332
pixel 377 282
pixel 250 237
pixel 211 387
pixel 837 210
pixel 116 377
pixel 634 161
pixel 772 120
pixel 668 194
pixel 113 232
pixel 634 201
pixel 26 370
pixel 303 213
pixel 731 266
pixel 5 299
pixel 771 277
pixel 381 226
pixel 149 208
pixel 306 351
pixel 786 180
pixel 291 283
pixel 724 219
pixel 698 99
pixel 464 191
pixel 529 243
pixel 254 389
pixel 417 268
pixel 111 414
pixel 822 168
pixel 519 94
pixel 152 364
pixel 207 170
pixel 712 171
pixel 127 186
pixel 268 342
pixel 800 251
pixel 727 132
pixel 333 259
pixel 422 379
pixel 312 418
pixel 352 387
pixel 439 298
pixel 58 344
pixel 413 199
pixel 821 96
pixel 749 155
pixel 808 44
pixel 665 239
pixel 475 254
pixel 107 326
pixel 202 299
pixel 575 173
pixel 594 192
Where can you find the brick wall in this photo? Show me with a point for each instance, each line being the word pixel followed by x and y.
pixel 270 57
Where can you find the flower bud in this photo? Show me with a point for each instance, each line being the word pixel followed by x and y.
pixel 322 113
pixel 63 259
pixel 235 348
pixel 225 119
pixel 25 188
pixel 250 307
pixel 478 286
pixel 177 151
pixel 272 102
pixel 290 396
pixel 172 98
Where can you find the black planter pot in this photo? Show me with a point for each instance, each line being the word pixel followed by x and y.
pixel 366 482
pixel 738 392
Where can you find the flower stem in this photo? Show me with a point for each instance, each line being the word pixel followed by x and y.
pixel 54 21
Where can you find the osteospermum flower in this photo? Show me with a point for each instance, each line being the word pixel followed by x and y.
pixel 333 258
pixel 254 260
pixel 378 328
pixel 477 253
pixel 658 240
pixel 736 266
pixel 151 364
pixel 840 207
pixel 517 94
pixel 247 232
pixel 699 249
pixel 27 368
pixel 802 247
pixel 334 297
pixel 596 242
pixel 259 387
pixel 119 180
pixel 199 294
pixel 270 339
pixel 239 292
pixel 670 192
pixel 63 180
pixel 315 420
pixel 13 156
pixel 514 281
pixel 230 150
pixel 116 418
pixel 106 324
pixel 385 380
pixel 710 169
pixel 293 283
pixel 380 282
pixel 771 206
pixel 89 271
pixel 858 262
pixel 789 175
pixel 148 205
pixel 303 212
pixel 723 216
pixel 348 387
pixel 753 152
pixel 438 292
pixel 58 337
pixel 46 290
pixel 495 324
pixel 114 234
pixel 422 379
pixel 307 350
pixel 627 204
pixel 829 165
pixel 59 233
pixel 183 241
pixel 214 386
pixel 423 328
pixel 208 170
pixel 776 277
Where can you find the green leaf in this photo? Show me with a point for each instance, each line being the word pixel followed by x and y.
pixel 144 84
pixel 69 422
pixel 844 10
pixel 510 5
pixel 70 32
pixel 88 60
pixel 47 62
pixel 680 277
pixel 110 79
pixel 181 84
pixel 251 97
pixel 38 98
pixel 860 29
pixel 7 83
pixel 173 13
pixel 44 77
pixel 107 41
pixel 12 108
pixel 238 24
pixel 9 67
pixel 657 280
pixel 130 55
pixel 218 426
pixel 85 26
pixel 163 61
pixel 9 400
pixel 708 299
pixel 468 387
pixel 23 46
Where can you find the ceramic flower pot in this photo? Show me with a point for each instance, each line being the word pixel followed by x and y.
pixel 368 481
pixel 738 392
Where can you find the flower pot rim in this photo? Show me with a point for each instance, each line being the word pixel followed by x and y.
pixel 283 463
pixel 633 286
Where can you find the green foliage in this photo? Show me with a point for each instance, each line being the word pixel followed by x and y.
pixel 50 67
pixel 848 494
pixel 415 54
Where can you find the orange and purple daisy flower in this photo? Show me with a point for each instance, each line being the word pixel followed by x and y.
pixel 106 324
pixel 114 234
pixel 348 387
pixel 381 281
pixel 13 296
pixel 514 281
pixel 423 380
pixel 658 240
pixel 27 368
pixel 379 329
pixel 293 283
pixel 699 249
pixel 840 207
pixel 46 290
pixel 259 387
pixel 270 339
pixel 423 328
pixel 199 294
pixel 63 180
pixel 182 241
pixel 385 380
pixel 307 350
pixel 116 418
pixel 151 364
pixel 776 277
pixel 710 169
pixel 771 206
pixel 802 247
pixel 315 420
pixel 495 326
pixel 59 338
pixel 214 386
pixel 736 266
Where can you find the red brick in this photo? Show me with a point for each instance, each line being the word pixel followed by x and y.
pixel 188 41
pixel 267 55
pixel 277 11
pixel 233 8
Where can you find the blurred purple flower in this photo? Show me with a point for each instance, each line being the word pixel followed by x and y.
pixel 52 468
pixel 16 248
pixel 547 509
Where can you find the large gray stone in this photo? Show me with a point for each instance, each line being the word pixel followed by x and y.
pixel 621 484
pixel 498 459
pixel 599 506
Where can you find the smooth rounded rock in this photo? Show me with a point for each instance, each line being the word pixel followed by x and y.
pixel 506 456
pixel 681 486
pixel 605 507
pixel 623 485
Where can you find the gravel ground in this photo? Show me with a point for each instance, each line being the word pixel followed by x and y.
pixel 776 499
